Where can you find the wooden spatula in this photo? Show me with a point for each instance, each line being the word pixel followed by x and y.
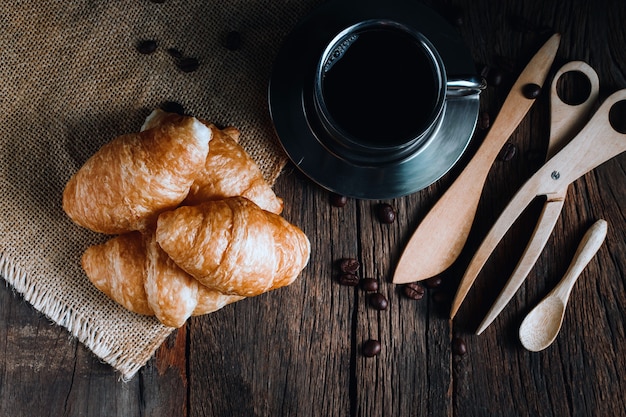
pixel 441 235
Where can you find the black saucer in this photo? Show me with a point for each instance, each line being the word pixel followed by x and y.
pixel 292 81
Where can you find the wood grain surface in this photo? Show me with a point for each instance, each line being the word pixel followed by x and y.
pixel 297 351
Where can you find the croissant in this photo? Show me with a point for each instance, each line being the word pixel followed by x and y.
pixel 229 170
pixel 135 272
pixel 129 181
pixel 233 246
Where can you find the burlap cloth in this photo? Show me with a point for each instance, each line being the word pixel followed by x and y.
pixel 71 79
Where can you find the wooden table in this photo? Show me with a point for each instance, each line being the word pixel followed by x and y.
pixel 297 351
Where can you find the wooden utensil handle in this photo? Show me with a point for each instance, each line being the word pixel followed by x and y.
pixel 587 248
pixel 442 234
pixel 596 143
pixel 566 120
pixel 548 218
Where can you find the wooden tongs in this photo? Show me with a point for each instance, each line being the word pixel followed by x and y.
pixel 595 143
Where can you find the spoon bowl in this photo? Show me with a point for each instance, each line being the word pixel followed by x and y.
pixel 541 326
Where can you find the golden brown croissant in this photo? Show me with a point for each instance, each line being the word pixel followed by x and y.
pixel 233 246
pixel 116 268
pixel 129 181
pixel 135 272
pixel 228 172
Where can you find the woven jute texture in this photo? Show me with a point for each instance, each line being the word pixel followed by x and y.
pixel 71 79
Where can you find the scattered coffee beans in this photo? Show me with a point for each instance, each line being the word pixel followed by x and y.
pixel 386 213
pixel 173 107
pixel 369 284
pixel 233 41
pixel 147 47
pixel 347 279
pixel 531 90
pixel 184 63
pixel 349 265
pixel 414 291
pixel 433 282
pixel 338 200
pixel 371 348
pixel 493 76
pixel 507 152
pixel 188 64
pixel 175 53
pixel 458 346
pixel 378 301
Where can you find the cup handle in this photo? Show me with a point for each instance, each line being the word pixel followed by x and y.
pixel 465 85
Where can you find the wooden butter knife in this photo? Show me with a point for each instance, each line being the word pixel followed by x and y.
pixel 440 237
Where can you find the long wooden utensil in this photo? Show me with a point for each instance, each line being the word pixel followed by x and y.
pixel 596 143
pixel 441 235
pixel 566 121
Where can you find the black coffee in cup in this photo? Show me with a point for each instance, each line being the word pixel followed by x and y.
pixel 381 85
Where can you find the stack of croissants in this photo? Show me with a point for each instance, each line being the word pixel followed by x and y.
pixel 196 225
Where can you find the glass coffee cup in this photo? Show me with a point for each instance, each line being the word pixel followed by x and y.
pixel 380 91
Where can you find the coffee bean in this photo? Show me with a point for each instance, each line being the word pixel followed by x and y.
pixel 484 121
pixel 386 213
pixel 458 346
pixel 157 1
pixel 349 265
pixel 188 64
pixel 378 301
pixel 175 53
pixel 369 284
pixel 173 107
pixel 233 41
pixel 371 348
pixel 414 291
pixel 531 90
pixel 350 280
pixel 433 282
pixel 507 152
pixel 147 47
pixel 338 200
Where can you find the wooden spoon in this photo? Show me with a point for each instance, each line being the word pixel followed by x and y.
pixel 542 324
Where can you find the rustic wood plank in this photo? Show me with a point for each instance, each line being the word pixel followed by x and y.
pixel 297 350
pixel 555 381
pixel 45 371
pixel 287 352
pixel 163 383
pixel 410 365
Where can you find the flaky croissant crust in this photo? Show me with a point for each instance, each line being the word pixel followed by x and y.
pixel 135 272
pixel 126 184
pixel 229 170
pixel 233 246
pixel 219 236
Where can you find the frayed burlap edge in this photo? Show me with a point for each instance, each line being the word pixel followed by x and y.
pixel 79 326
